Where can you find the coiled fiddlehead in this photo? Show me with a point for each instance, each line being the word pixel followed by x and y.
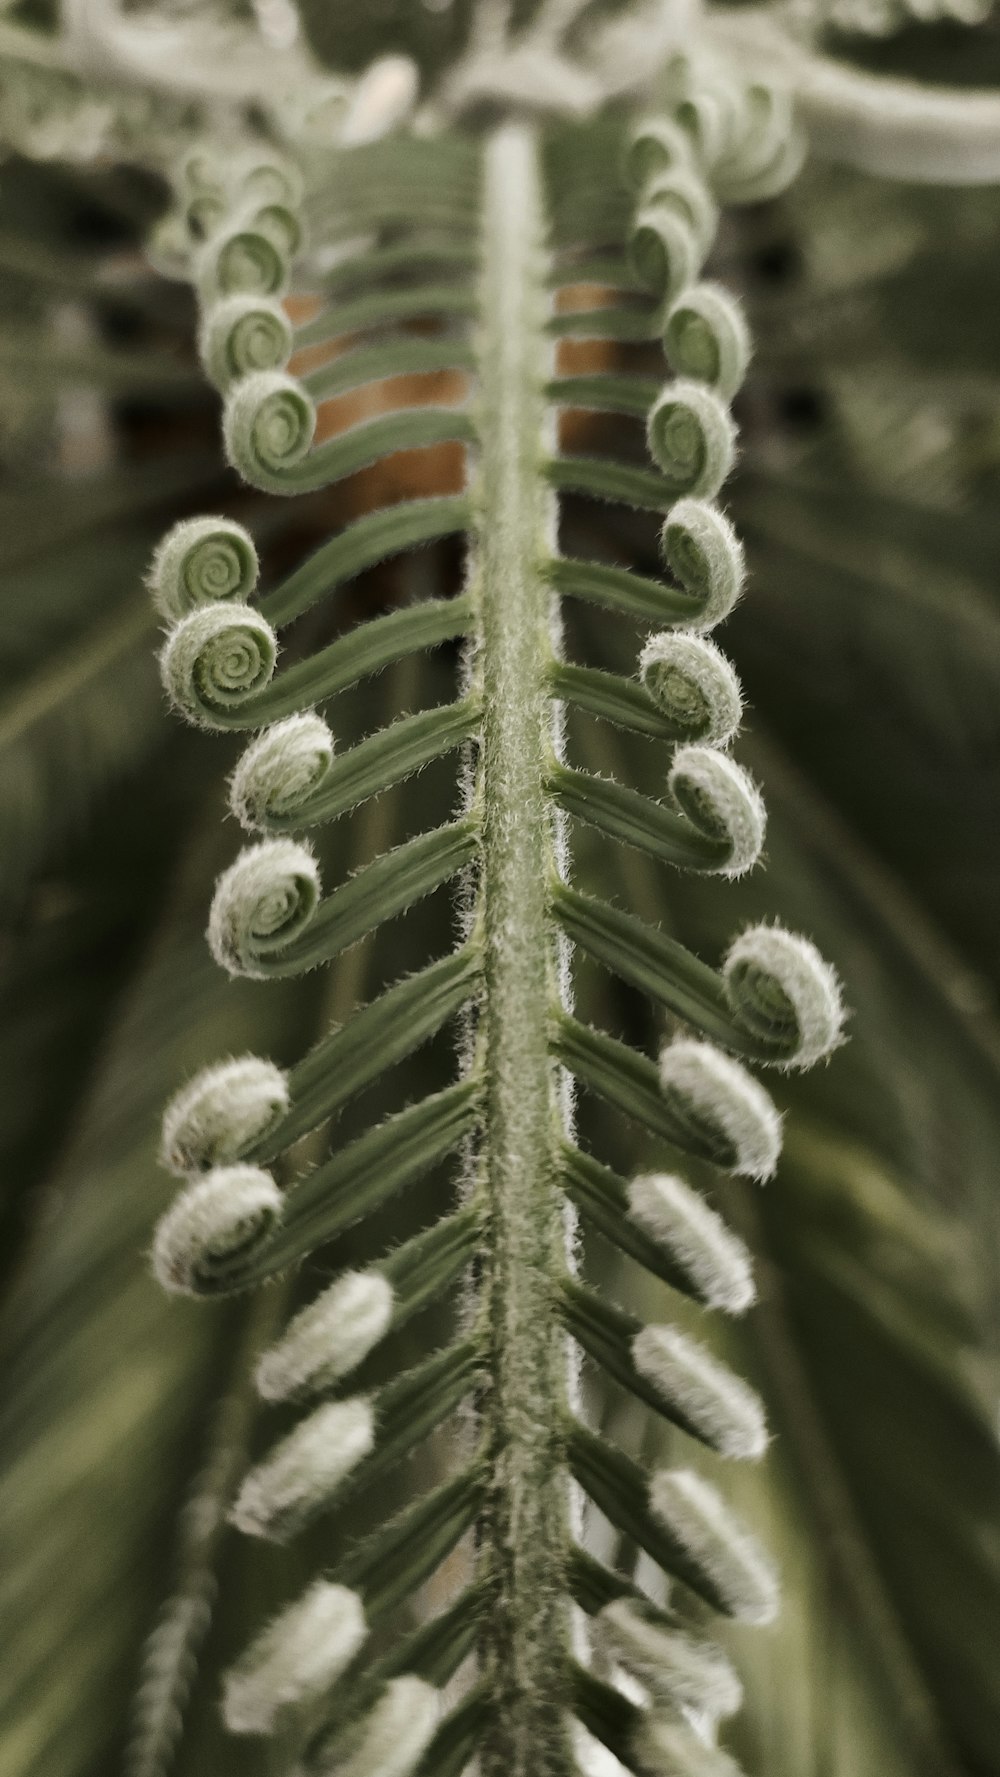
pixel 706 337
pixel 202 561
pixel 693 684
pixel 282 772
pixel 215 658
pixel 214 1226
pixel 691 438
pixel 368 1702
pixel 262 903
pixel 269 426
pixel 242 334
pixel 221 1113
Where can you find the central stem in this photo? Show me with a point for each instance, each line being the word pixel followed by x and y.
pixel 526 1529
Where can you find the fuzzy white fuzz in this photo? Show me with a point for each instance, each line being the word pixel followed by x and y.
pixel 765 958
pixel 718 1404
pixel 393 1737
pixel 723 801
pixel 329 1338
pixel 268 426
pixel 280 769
pixel 692 437
pixel 694 684
pixel 303 1472
pixel 215 658
pixel 202 561
pixel 694 1512
pixel 684 1669
pixel 701 547
pixel 724 1098
pixel 266 896
pixel 665 1746
pixel 242 334
pixel 213 1226
pixel 707 338
pixel 221 1111
pixel 679 1220
pixel 297 1657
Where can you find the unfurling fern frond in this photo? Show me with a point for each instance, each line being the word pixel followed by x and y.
pixel 440 260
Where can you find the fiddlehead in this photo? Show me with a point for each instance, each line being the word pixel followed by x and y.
pixel 720 800
pixel 202 561
pixel 281 772
pixel 477 248
pixel 694 685
pixel 781 988
pixel 243 334
pixel 221 1114
pixel 214 1226
pixel 262 903
pixel 249 258
pixel 328 1339
pixel 215 658
pixel 269 426
pixel 298 1657
pixel 728 1117
pixel 706 337
pixel 692 439
pixel 702 549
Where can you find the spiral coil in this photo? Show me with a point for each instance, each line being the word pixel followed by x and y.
pixel 701 547
pixel 268 427
pixel 693 682
pixel 220 1113
pixel 215 658
pixel 722 801
pixel 782 989
pixel 202 561
pixel 707 339
pixel 262 903
pixel 214 1227
pixel 242 334
pixel 692 439
pixel 280 770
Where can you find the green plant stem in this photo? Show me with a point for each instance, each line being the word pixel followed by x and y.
pixel 524 1530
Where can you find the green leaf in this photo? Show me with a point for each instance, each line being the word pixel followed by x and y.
pixel 378 892
pixel 371 1041
pixel 381 307
pixel 635 820
pixel 622 701
pixel 363 1175
pixel 360 545
pixel 382 760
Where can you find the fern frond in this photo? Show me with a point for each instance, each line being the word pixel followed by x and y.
pixel 457 241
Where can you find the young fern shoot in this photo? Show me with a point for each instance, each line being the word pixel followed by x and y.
pixel 472 241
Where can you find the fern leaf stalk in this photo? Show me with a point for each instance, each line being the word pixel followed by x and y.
pixel 525 1532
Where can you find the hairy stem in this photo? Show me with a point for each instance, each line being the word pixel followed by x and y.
pixel 525 1528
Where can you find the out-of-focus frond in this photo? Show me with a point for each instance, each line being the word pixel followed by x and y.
pixel 105 1383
